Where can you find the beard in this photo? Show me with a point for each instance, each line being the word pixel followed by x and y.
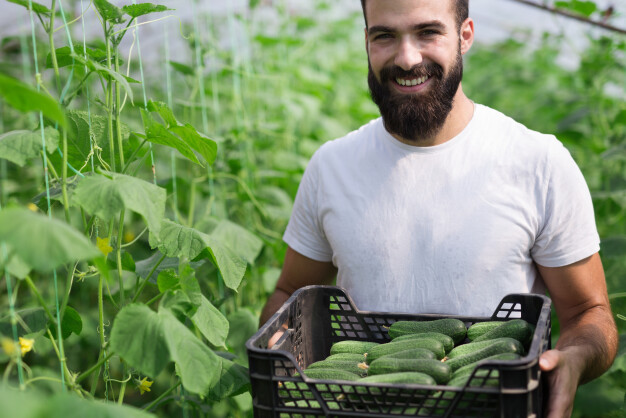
pixel 416 117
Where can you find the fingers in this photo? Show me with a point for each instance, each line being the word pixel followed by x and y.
pixel 549 360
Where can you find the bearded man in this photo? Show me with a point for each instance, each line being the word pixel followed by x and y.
pixel 445 206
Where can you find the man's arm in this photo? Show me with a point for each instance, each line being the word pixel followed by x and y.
pixel 588 338
pixel 298 271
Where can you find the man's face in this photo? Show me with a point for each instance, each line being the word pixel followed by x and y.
pixel 415 64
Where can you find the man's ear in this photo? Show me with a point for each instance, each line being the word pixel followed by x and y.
pixel 467 35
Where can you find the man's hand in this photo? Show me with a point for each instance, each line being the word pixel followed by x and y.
pixel 563 370
pixel 587 342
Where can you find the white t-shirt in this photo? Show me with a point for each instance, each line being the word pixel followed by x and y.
pixel 447 229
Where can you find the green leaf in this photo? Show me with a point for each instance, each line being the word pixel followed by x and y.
pixel 178 303
pixel 37 8
pixel 158 134
pixel 139 338
pixel 164 111
pixel 148 341
pixel 176 240
pixel 205 146
pixel 35 404
pixel 210 322
pixel 109 12
pixel 31 320
pixel 136 10
pixel 119 78
pixel 166 280
pixel 270 278
pixel 182 68
pixel 234 380
pixel 26 99
pixel 106 197
pixel 42 243
pixel 71 323
pixel 585 8
pixel 243 325
pixel 21 146
pixel 241 241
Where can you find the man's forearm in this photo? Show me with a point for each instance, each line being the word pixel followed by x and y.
pixel 273 304
pixel 593 335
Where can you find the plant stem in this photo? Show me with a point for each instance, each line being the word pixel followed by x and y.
pixel 161 397
pixel 66 200
pixel 68 289
pixel 120 400
pixel 118 111
pixel 109 100
pixel 95 367
pixel 94 383
pixel 118 253
pixel 143 284
pixel 154 299
pixel 133 155
pixel 53 55
pixel 51 168
pixel 66 372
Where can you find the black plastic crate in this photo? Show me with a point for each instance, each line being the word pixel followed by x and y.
pixel 318 316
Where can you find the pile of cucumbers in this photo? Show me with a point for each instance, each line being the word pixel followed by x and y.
pixel 437 352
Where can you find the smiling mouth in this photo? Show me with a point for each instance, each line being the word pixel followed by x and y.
pixel 411 81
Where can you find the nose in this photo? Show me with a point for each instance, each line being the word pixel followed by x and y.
pixel 408 55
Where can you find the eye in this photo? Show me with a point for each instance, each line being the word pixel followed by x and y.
pixel 382 36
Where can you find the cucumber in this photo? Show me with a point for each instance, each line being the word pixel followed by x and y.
pixel 412 353
pixel 470 367
pixel 452 327
pixel 352 346
pixel 500 346
pixel 447 341
pixel 330 374
pixel 347 356
pixel 438 370
pixel 519 329
pixel 478 380
pixel 393 347
pixel 479 328
pixel 468 348
pixel 346 365
pixel 400 377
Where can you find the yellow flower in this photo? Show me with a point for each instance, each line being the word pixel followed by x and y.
pixel 144 385
pixel 8 346
pixel 32 207
pixel 26 344
pixel 103 245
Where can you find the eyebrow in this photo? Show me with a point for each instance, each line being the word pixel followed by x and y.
pixel 387 29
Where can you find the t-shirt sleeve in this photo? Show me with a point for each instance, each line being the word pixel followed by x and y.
pixel 304 232
pixel 568 232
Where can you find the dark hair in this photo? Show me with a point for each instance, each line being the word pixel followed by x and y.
pixel 462 11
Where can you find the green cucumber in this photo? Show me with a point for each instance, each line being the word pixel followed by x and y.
pixel 479 328
pixel 468 348
pixel 352 346
pixel 393 347
pixel 412 353
pixel 400 377
pixel 452 327
pixel 447 341
pixel 478 380
pixel 438 370
pixel 499 346
pixel 519 329
pixel 468 369
pixel 347 365
pixel 347 356
pixel 330 374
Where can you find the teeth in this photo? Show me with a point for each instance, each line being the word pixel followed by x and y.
pixel 412 82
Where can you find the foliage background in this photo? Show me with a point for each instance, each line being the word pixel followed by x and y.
pixel 269 86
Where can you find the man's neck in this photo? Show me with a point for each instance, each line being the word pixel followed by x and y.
pixel 458 118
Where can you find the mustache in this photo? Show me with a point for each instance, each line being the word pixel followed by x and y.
pixel 420 70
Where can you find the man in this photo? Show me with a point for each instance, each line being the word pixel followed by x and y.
pixel 445 206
